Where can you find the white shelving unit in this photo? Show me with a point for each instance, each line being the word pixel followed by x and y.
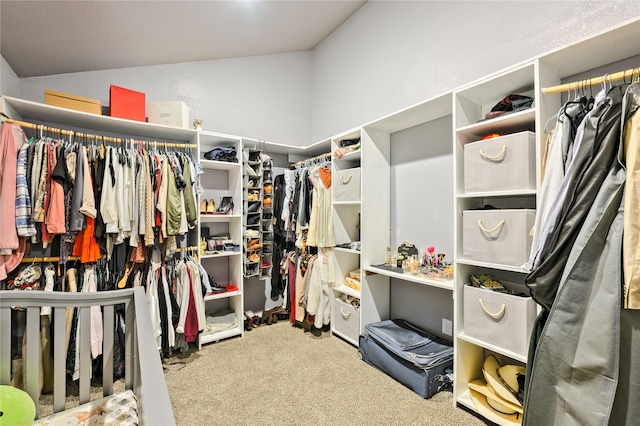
pixel 222 179
pixel 592 57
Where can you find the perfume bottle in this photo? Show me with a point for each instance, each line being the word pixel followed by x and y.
pixel 389 257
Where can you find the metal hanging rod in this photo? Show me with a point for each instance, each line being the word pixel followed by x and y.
pixel 97 137
pixel 312 160
pixel 591 81
pixel 192 249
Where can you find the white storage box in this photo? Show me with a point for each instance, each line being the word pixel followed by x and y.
pixel 174 113
pixel 502 320
pixel 506 163
pixel 346 319
pixel 497 236
pixel 346 186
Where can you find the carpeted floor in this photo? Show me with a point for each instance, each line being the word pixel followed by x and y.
pixel 280 375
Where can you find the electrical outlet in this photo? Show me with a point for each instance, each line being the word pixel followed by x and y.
pixel 447 327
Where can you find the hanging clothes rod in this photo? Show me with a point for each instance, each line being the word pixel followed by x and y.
pixel 97 137
pixel 46 259
pixel 312 160
pixel 192 249
pixel 591 81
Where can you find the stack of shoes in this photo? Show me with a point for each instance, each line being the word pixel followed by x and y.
pixel 253 257
pixel 253 245
pixel 271 316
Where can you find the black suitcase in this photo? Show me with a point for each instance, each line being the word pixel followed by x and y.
pixel 408 354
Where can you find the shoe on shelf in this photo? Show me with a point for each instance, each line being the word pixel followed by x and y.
pixel 253 257
pixel 251 233
pixel 203 206
pixel 251 183
pixel 267 201
pixel 253 245
pixel 251 172
pixel 253 196
pixel 211 206
pixel 253 207
pixel 226 205
pixel 268 189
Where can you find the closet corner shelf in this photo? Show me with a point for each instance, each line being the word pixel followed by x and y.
pixel 504 124
pixel 214 337
pixel 219 165
pixel 446 285
pixel 494 348
pixel 221 254
pixel 493 265
pixel 218 217
pixel 347 250
pixel 215 296
pixel 516 193
pixel 348 291
pixel 347 203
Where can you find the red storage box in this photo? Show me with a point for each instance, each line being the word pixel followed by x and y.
pixel 127 103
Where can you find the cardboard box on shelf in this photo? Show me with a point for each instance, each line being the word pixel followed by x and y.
pixel 172 113
pixel 77 103
pixel 127 103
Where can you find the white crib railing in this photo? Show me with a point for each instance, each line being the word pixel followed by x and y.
pixel 143 367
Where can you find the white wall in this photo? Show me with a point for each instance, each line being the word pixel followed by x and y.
pixel 9 81
pixel 262 97
pixel 393 54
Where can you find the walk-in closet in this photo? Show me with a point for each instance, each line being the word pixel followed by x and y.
pixel 430 203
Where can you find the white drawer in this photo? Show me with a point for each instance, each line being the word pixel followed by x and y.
pixel 500 164
pixel 346 185
pixel 497 236
pixel 500 319
pixel 346 319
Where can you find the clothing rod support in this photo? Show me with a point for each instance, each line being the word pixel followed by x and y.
pixel 591 81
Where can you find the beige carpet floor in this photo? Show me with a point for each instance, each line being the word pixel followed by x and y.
pixel 280 375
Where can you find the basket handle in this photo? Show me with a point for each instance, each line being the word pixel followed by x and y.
pixel 496 158
pixel 347 180
pixel 498 226
pixel 498 315
pixel 345 314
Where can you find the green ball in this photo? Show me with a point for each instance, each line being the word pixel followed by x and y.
pixel 16 407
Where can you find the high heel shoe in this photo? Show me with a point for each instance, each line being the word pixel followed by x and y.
pixel 203 206
pixel 211 206
pixel 226 205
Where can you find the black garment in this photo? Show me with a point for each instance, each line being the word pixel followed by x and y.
pixel 598 149
pixel 98 167
pixel 278 282
pixel 164 317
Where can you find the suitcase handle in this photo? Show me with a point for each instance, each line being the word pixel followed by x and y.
pixel 496 158
pixel 498 226
pixel 498 315
pixel 345 314
pixel 345 181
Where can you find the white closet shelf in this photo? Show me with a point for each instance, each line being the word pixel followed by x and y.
pixel 219 165
pixel 509 123
pixel 351 156
pixel 494 348
pixel 447 284
pixel 218 217
pixel 216 296
pixel 346 250
pixel 20 109
pixel 348 291
pixel 493 265
pixel 520 192
pixel 347 203
pixel 221 254
pixel 465 399
pixel 214 337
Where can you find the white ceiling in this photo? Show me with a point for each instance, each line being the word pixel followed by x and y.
pixel 55 37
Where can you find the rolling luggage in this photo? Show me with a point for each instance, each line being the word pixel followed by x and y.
pixel 408 354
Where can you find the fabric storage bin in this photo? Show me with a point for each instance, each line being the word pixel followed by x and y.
pixel 497 236
pixel 346 186
pixel 503 320
pixel 500 164
pixel 346 319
